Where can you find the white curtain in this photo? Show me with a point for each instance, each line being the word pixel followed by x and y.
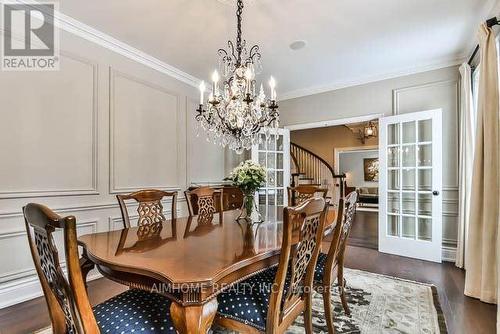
pixel 481 253
pixel 467 124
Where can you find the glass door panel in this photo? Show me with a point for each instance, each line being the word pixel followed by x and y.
pixel 274 154
pixel 410 181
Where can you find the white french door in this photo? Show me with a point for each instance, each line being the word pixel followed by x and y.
pixel 274 154
pixel 410 155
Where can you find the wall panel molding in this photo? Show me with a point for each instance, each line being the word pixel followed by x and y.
pixel 93 188
pixel 28 272
pixel 397 92
pixel 114 189
pixel 409 99
pixel 70 209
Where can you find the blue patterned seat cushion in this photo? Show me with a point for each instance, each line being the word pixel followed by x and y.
pixel 320 268
pixel 135 311
pixel 248 301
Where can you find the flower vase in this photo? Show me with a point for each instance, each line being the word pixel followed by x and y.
pixel 249 210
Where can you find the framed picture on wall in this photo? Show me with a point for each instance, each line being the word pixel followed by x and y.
pixel 370 168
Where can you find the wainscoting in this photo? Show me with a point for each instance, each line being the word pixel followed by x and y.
pixel 72 139
pixel 444 95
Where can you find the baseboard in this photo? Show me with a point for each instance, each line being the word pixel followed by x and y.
pixel 449 254
pixel 26 289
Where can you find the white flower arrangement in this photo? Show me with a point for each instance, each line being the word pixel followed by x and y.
pixel 248 176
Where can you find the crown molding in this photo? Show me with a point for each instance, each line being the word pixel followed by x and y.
pixel 98 37
pixel 80 29
pixel 370 79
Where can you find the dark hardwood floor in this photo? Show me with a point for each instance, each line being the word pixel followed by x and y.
pixel 364 232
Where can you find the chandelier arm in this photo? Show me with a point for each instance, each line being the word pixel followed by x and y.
pixel 226 123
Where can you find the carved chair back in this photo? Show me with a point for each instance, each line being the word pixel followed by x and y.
pixel 146 238
pixel 149 209
pixel 345 217
pixel 204 202
pixel 302 234
pixel 299 194
pixel 69 307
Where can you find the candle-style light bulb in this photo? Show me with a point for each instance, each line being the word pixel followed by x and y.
pixel 248 73
pixel 215 76
pixel 202 91
pixel 248 77
pixel 272 84
pixel 215 79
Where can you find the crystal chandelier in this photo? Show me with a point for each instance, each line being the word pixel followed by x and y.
pixel 235 113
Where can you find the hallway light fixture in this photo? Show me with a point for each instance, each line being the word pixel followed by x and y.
pixel 369 130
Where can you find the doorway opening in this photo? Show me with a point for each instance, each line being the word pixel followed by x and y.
pixel 336 147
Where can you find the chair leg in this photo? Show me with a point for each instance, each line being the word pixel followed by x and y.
pixel 308 315
pixel 329 314
pixel 342 283
pixel 85 266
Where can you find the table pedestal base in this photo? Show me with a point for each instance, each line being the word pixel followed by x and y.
pixel 193 319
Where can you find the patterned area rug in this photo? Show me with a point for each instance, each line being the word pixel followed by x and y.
pixel 378 304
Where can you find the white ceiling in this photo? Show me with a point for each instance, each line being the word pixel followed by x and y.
pixel 348 41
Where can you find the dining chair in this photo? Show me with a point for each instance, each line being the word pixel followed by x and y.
pixel 150 209
pixel 232 198
pixel 269 301
pixel 67 300
pixel 331 265
pixel 204 202
pixel 299 194
pixel 146 237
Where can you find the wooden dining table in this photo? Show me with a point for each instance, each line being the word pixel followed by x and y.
pixel 188 261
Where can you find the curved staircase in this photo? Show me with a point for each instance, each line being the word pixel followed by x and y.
pixel 309 168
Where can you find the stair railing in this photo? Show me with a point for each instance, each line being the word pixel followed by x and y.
pixel 309 166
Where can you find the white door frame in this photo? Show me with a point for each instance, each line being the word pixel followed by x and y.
pixel 333 122
pixel 399 245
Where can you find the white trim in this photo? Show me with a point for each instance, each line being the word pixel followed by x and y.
pixel 93 188
pixel 98 37
pixel 113 189
pixel 370 79
pixel 103 206
pixel 397 91
pixel 28 289
pixel 80 29
pixel 333 122
pixel 449 254
pixel 398 245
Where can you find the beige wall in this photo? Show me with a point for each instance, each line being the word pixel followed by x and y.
pixel 423 91
pixel 352 164
pixel 322 141
pixel 72 139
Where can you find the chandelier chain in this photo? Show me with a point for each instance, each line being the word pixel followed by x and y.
pixel 239 47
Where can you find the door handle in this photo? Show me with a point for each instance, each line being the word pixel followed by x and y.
pixel 435 193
